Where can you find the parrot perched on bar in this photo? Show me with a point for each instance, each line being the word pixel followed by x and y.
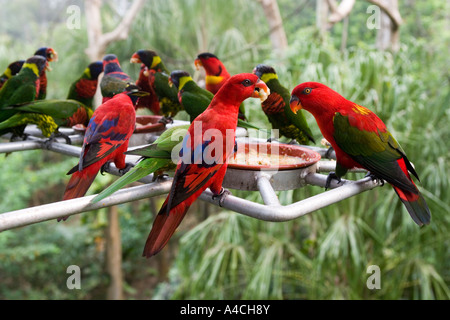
pixel 24 87
pixel 193 98
pixel 51 55
pixel 276 107
pixel 360 139
pixel 156 159
pixel 216 75
pixel 83 89
pixel 158 77
pixel 12 69
pixel 203 158
pixel 49 115
pixel 114 80
pixel 151 101
pixel 106 139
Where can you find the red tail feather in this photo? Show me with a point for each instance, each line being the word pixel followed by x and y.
pixel 164 227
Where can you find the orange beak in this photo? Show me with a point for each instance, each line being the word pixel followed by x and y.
pixel 261 91
pixel 135 58
pixel 53 56
pixel 295 104
pixel 198 64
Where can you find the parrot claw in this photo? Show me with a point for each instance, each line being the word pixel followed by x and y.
pixel 221 196
pixel 127 168
pixel 331 176
pixel 160 177
pixel 104 168
pixel 58 135
pixel 374 178
pixel 166 120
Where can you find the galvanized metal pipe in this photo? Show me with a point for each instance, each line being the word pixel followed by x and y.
pixel 295 210
pixel 20 218
pixel 266 190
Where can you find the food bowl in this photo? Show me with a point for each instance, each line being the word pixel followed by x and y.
pixel 284 164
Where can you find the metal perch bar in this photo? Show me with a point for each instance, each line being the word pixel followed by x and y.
pixel 271 210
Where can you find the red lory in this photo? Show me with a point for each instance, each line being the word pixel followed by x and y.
pixel 51 55
pixel 216 75
pixel 114 80
pixel 210 141
pixel 12 69
pixel 106 139
pixel 360 139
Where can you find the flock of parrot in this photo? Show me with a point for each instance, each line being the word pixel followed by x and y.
pixel 360 139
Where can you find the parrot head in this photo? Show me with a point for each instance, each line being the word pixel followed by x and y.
pixel 211 64
pixel 48 53
pixel 148 57
pixel 262 69
pixel 313 97
pixel 134 92
pixel 36 63
pixel 246 85
pixel 178 78
pixel 95 68
pixel 111 64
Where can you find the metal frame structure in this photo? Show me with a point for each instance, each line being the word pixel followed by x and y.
pixel 271 210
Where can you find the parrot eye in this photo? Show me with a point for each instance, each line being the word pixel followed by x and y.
pixel 246 83
pixel 307 91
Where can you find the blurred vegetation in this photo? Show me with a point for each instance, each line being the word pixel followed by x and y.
pixel 324 255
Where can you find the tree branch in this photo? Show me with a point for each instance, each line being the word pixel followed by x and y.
pixel 393 13
pixel 123 28
pixel 341 11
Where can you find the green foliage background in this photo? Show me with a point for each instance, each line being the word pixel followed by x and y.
pixel 229 256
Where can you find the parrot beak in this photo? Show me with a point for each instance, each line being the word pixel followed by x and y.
pixel 295 104
pixel 135 58
pixel 198 64
pixel 170 82
pixel 52 55
pixel 133 90
pixel 262 91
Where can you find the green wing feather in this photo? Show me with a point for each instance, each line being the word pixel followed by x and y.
pixel 377 151
pixel 141 170
pixel 157 158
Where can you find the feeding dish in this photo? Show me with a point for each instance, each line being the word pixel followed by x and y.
pixel 285 164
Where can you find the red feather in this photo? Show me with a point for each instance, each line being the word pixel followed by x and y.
pixel 192 178
pixel 106 139
pixel 382 156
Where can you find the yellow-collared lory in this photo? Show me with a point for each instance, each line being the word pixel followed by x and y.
pixel 276 107
pixel 12 69
pixel 360 139
pixel 158 77
pixel 50 55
